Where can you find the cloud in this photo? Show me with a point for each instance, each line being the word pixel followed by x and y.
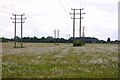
pixel 43 16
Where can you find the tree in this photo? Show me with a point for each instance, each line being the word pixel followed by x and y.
pixel 49 39
pixel 108 40
pixel 35 37
pixel 43 39
pixel 78 43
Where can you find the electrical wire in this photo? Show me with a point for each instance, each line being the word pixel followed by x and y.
pixel 5 12
pixel 68 3
pixel 2 17
pixel 6 8
pixel 63 7
pixel 11 10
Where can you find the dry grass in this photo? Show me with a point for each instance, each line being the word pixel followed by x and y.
pixel 46 60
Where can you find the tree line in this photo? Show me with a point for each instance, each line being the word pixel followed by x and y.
pixel 50 39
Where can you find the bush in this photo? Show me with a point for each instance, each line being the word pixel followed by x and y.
pixel 78 43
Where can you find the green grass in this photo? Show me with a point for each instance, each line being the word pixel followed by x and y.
pixel 63 61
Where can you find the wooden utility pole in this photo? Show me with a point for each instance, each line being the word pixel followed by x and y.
pixel 80 24
pixel 55 36
pixel 73 22
pixel 83 31
pixel 20 21
pixel 80 21
pixel 74 13
pixel 15 33
pixel 58 37
pixel 22 27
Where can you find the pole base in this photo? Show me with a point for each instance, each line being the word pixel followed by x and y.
pixel 19 47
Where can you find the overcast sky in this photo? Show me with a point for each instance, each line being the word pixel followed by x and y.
pixel 43 16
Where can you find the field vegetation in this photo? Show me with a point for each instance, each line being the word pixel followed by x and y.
pixel 47 60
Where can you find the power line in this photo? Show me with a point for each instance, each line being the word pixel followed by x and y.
pixel 6 12
pixel 6 8
pixel 63 7
pixel 68 3
pixel 13 11
pixel 82 3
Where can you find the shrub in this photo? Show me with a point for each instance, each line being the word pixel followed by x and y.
pixel 78 43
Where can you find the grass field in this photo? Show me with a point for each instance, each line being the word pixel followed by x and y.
pixel 46 60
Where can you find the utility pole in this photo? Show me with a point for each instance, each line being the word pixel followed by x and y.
pixel 55 35
pixel 80 24
pixel 73 22
pixel 15 33
pixel 83 31
pixel 20 18
pixel 22 27
pixel 74 13
pixel 58 37
pixel 80 21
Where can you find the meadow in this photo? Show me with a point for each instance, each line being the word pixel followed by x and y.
pixel 47 60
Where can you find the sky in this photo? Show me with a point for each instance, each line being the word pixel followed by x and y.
pixel 44 16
